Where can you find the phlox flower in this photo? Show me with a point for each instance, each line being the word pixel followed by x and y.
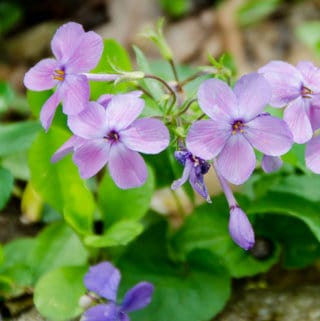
pixel 110 133
pixel 237 125
pixel 270 164
pixel 76 52
pixel 103 279
pixel 194 169
pixel 296 88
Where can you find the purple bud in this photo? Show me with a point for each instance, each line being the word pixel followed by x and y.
pixel 270 164
pixel 240 228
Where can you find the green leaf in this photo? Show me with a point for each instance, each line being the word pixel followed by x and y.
pixel 289 204
pixel 308 32
pixel 254 10
pixel 207 228
pixel 120 233
pixel 16 137
pixel 176 8
pixel 57 293
pixel 118 204
pixel 17 164
pixel 113 56
pixel 6 96
pixel 10 14
pixel 60 184
pixel 193 290
pixel 6 186
pixel 56 246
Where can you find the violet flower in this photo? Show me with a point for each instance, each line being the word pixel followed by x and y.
pixel 76 52
pixel 271 164
pixel 103 279
pixel 295 87
pixel 237 125
pixel 194 169
pixel 113 135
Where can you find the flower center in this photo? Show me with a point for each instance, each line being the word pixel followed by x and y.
pixel 306 92
pixel 59 74
pixel 112 136
pixel 237 127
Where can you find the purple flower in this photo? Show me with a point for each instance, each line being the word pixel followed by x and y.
pixel 313 154
pixel 296 88
pixel 270 164
pixel 194 169
pixel 237 125
pixel 240 228
pixel 112 134
pixel 76 52
pixel 103 279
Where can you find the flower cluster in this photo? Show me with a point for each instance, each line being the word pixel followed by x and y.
pixel 235 126
pixel 102 282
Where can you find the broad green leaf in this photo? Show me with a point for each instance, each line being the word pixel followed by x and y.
pixel 17 164
pixel 57 293
pixel 289 204
pixel 207 228
pixel 6 186
pixel 56 246
pixel 16 137
pixel 60 184
pixel 196 289
pixel 120 233
pixel 113 56
pixel 118 204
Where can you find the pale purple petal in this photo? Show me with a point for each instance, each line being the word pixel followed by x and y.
pixel 269 134
pixel 253 93
pixel 311 75
pixel 296 116
pixel 67 148
pixel 123 110
pixel 285 81
pixel 185 175
pixel 87 53
pixel 271 164
pixel 75 94
pixel 206 138
pixel 237 160
pixel 313 154
pixel 127 167
pixel 104 100
pixel 91 156
pixel 40 77
pixel 103 279
pixel 66 40
pixel 137 297
pixel 123 316
pixel 48 110
pixel 240 228
pixel 314 112
pixel 217 100
pixel 90 123
pixel 146 135
pixel 101 312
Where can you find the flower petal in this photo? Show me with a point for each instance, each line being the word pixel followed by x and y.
pixel 137 297
pixel 48 110
pixel 40 76
pixel 123 110
pixel 66 39
pixel 101 312
pixel 313 154
pixel 237 160
pixel 103 279
pixel 206 138
pixel 269 134
pixel 75 94
pixel 270 164
pixel 240 228
pixel 123 316
pixel 67 148
pixel 311 75
pixel 314 112
pixel 285 81
pixel 127 167
pixel 146 135
pixel 197 182
pixel 253 93
pixel 91 156
pixel 185 175
pixel 296 116
pixel 87 53
pixel 90 123
pixel 217 100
